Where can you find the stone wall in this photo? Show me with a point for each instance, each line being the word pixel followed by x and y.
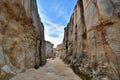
pixel 49 50
pixel 91 44
pixel 22 42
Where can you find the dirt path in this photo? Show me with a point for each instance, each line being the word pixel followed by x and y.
pixel 53 70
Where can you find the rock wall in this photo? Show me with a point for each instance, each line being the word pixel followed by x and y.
pixel 58 51
pixel 22 42
pixel 91 44
pixel 49 50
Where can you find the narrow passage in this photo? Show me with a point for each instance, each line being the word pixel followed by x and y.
pixel 54 70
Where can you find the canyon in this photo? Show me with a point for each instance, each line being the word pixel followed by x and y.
pixel 90 48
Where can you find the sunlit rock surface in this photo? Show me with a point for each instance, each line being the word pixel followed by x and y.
pixel 58 51
pixel 22 42
pixel 91 44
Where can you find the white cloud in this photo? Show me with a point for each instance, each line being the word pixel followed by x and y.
pixel 61 11
pixel 52 28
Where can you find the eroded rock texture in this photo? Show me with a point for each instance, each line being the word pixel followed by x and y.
pixel 91 44
pixel 58 51
pixel 49 50
pixel 22 42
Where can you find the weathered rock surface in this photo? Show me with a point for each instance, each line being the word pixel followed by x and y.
pixel 91 44
pixel 22 42
pixel 49 50
pixel 58 51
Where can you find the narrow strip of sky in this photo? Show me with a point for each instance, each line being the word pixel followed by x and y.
pixel 55 15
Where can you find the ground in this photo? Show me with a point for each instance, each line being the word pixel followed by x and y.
pixel 55 69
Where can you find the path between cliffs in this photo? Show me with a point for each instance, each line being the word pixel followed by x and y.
pixel 53 70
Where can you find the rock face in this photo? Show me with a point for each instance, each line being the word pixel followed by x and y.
pixel 49 50
pixel 91 44
pixel 22 42
pixel 58 51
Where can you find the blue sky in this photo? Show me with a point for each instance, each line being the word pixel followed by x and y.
pixel 55 15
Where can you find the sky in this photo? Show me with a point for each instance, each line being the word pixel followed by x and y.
pixel 55 15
